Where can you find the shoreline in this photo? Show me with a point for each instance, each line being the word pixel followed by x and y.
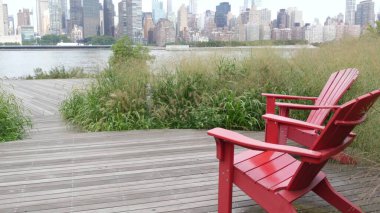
pixel 106 47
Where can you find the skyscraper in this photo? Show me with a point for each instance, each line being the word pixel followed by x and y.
pixel 295 17
pixel 282 19
pixel 11 22
pixel 169 6
pixel 2 30
pixel 109 14
pixel 365 13
pixel 158 10
pixel 148 26
pixel 5 18
pixel 193 6
pixel 43 17
pixel 221 14
pixel 64 15
pixel 76 13
pixel 245 5
pixel 91 18
pixel 182 20
pixel 55 11
pixel 350 12
pixel 130 19
pixel 23 17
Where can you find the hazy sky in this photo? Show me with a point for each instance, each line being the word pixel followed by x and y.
pixel 311 8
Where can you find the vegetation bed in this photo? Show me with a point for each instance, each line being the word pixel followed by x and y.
pixel 205 93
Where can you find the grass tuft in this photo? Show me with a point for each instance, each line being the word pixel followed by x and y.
pixel 13 123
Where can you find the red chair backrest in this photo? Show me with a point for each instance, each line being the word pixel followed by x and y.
pixel 337 130
pixel 336 86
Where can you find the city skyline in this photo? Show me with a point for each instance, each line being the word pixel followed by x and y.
pixel 317 9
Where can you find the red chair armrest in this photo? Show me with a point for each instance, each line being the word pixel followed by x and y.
pixel 303 106
pixel 289 97
pixel 271 99
pixel 292 122
pixel 243 141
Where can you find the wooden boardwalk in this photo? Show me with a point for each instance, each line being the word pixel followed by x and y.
pixel 60 170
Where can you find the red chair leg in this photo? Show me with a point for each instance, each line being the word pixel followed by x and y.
pixel 329 194
pixel 225 178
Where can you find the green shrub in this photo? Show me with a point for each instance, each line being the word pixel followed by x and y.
pixel 117 98
pixel 59 72
pixel 13 123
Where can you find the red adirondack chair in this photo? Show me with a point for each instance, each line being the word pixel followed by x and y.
pixel 336 86
pixel 269 173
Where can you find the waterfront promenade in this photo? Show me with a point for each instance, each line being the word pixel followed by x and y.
pixel 60 169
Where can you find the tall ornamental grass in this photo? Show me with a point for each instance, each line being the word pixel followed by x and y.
pixel 13 123
pixel 203 93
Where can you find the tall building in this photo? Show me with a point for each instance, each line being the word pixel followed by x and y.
pixel 182 18
pixel 11 21
pixel 55 11
pixel 282 19
pixel 365 13
pixel 91 18
pixel 265 16
pixel 164 32
pixel 43 17
pixel 76 13
pixel 148 26
pixel 109 14
pixel 295 17
pixel 378 16
pixel 158 10
pixel 169 6
pixel 245 5
pixel 350 12
pixel 2 30
pixel 5 19
pixel 64 15
pixel 193 6
pixel 23 17
pixel 130 19
pixel 221 13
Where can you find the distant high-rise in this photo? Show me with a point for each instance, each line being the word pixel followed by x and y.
pixel 148 26
pixel 365 13
pixel 265 16
pixel 282 19
pixel 11 22
pixel 350 12
pixel 158 10
pixel 295 17
pixel 169 6
pixel 76 13
pixel 5 19
pixel 182 20
pixel 55 12
pixel 2 30
pixel 221 14
pixel 109 14
pixel 378 16
pixel 43 17
pixel 245 5
pixel 23 17
pixel 91 18
pixel 130 19
pixel 193 6
pixel 64 15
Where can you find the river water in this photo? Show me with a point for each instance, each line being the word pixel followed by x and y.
pixel 20 63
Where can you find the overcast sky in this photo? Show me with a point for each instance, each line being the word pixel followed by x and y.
pixel 311 8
